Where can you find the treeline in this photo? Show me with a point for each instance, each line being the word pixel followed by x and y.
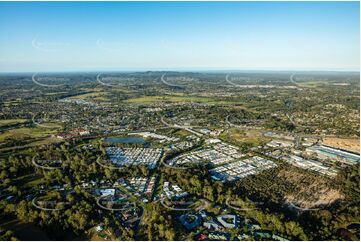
pixel 341 220
pixel 7 235
pixel 197 182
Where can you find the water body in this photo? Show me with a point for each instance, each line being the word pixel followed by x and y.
pixel 127 140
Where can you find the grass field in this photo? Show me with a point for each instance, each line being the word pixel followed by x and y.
pixel 252 137
pixel 45 141
pixel 54 93
pixel 173 132
pixel 99 96
pixel 36 132
pixel 29 181
pixel 5 122
pixel 182 133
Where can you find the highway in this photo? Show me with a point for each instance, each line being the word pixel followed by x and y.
pixel 187 128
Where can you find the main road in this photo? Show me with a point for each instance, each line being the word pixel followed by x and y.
pixel 187 128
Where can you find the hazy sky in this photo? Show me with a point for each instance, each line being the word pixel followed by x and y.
pixel 71 36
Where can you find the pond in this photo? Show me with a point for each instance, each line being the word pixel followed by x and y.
pixel 127 140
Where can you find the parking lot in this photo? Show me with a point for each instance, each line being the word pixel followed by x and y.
pixel 241 168
pixel 215 154
pixel 134 156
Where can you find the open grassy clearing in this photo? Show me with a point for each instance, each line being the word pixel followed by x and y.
pixel 100 96
pixel 29 181
pixel 36 132
pixel 6 122
pixel 45 141
pixel 252 137
pixel 54 93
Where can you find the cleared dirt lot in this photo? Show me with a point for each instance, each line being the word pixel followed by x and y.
pixel 310 191
pixel 343 143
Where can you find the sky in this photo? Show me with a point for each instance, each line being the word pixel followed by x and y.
pixel 102 36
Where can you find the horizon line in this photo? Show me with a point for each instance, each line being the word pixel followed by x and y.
pixel 182 70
